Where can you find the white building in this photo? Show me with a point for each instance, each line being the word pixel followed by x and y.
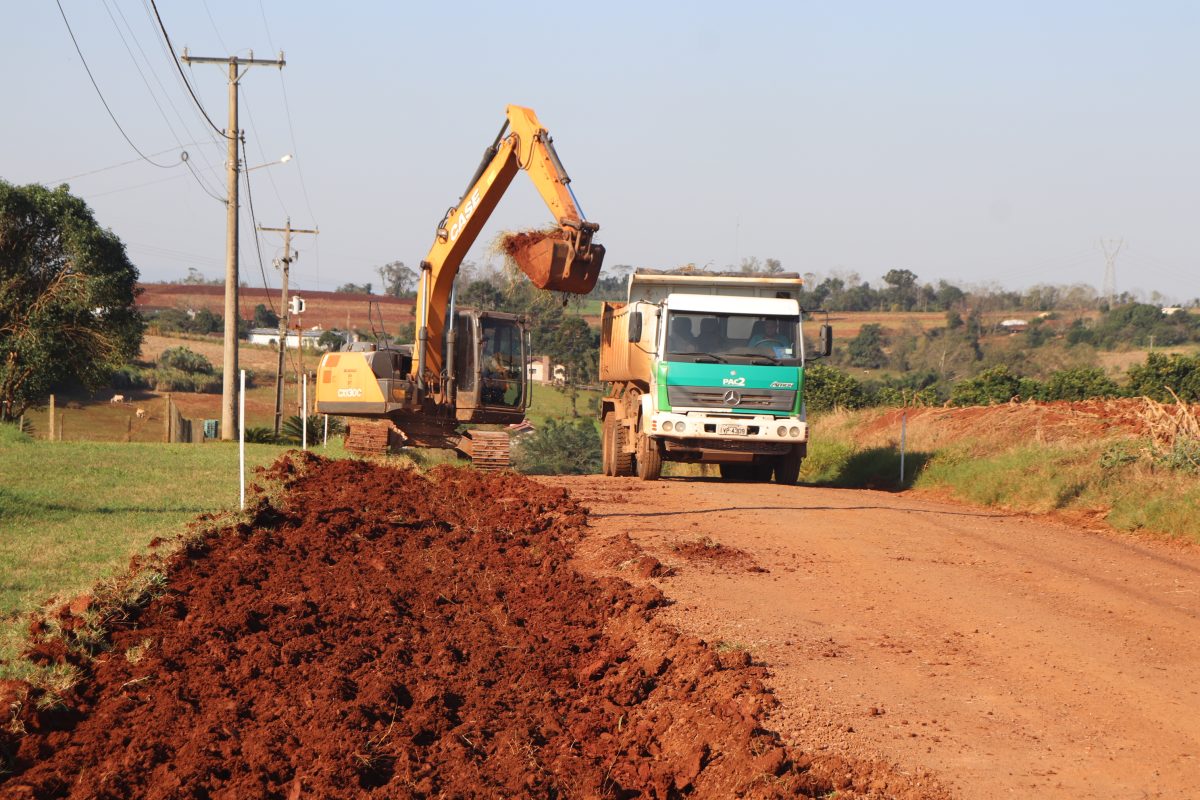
pixel 270 336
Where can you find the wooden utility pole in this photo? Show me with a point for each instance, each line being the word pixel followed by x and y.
pixel 287 230
pixel 233 136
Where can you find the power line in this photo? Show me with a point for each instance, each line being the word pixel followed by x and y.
pixel 114 166
pixel 178 66
pixel 254 221
pixel 100 94
pixel 203 186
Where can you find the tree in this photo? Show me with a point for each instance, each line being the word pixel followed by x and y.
pixel 901 291
pixel 561 447
pixel 196 278
pixel 866 349
pixel 354 288
pixel 331 340
pixel 398 280
pixel 265 317
pixel 67 294
pixel 827 388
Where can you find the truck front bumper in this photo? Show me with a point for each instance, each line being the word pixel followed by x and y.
pixel 728 427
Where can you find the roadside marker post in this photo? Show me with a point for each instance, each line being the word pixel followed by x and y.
pixel 304 416
pixel 903 436
pixel 325 439
pixel 242 440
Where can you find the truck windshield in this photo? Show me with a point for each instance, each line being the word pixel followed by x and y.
pixel 700 336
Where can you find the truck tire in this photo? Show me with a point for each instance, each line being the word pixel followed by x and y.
pixel 649 458
pixel 622 461
pixel 608 438
pixel 787 467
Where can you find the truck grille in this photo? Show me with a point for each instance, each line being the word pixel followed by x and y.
pixel 713 397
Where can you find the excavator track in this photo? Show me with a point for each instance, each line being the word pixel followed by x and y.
pixel 371 438
pixel 488 450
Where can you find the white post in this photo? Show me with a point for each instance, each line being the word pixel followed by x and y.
pixel 304 416
pixel 903 436
pixel 242 441
pixel 325 440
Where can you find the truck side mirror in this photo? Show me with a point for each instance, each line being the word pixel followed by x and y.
pixel 635 326
pixel 825 340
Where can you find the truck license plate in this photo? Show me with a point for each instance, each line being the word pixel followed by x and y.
pixel 731 430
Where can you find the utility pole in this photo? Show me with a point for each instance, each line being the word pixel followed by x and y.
pixel 284 307
pixel 229 392
pixel 1111 248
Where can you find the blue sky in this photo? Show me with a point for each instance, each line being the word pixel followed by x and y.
pixel 977 143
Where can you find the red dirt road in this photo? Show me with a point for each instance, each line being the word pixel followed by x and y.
pixel 1011 656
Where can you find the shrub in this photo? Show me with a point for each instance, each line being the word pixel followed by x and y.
pixel 995 385
pixel 131 377
pixel 1179 373
pixel 184 360
pixel 1080 383
pixel 827 388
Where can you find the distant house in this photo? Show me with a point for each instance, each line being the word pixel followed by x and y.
pixel 270 336
pixel 540 371
pixel 1171 311
pixel 1014 325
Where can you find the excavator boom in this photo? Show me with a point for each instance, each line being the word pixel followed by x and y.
pixel 563 258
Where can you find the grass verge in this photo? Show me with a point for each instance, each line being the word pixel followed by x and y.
pixel 1126 480
pixel 73 513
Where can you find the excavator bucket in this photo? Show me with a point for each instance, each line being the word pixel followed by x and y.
pixel 553 261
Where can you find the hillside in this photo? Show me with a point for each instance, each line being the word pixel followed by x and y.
pixel 325 309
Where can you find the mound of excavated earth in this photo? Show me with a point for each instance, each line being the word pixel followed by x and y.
pixel 374 632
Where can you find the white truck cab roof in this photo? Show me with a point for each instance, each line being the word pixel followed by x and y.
pixel 709 303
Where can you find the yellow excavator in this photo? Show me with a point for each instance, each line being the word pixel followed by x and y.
pixel 466 367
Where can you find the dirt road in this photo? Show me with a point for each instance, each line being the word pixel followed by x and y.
pixel 1012 656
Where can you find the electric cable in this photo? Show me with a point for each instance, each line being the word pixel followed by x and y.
pixel 254 223
pixel 100 94
pixel 178 66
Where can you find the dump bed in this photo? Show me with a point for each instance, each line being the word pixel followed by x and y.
pixel 654 286
pixel 620 359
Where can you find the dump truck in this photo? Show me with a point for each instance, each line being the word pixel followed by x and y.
pixel 706 368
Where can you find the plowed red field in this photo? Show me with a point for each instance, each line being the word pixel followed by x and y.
pixel 371 632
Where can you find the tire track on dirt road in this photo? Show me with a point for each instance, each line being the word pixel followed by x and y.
pixel 1008 654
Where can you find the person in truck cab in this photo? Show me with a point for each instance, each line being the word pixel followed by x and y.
pixel 709 340
pixel 682 340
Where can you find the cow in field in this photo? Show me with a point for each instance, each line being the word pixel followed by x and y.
pixel 117 398
pixel 141 412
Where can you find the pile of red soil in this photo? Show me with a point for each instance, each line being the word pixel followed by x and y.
pixel 373 632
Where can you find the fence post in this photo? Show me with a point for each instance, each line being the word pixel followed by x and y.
pixel 242 441
pixel 53 422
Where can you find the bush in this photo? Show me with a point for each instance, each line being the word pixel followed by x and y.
pixel 174 380
pixel 1080 383
pixel 827 388
pixel 995 385
pixel 184 360
pixel 131 377
pixel 1179 373
pixel 560 447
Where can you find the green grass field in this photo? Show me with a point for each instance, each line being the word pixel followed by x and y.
pixel 72 513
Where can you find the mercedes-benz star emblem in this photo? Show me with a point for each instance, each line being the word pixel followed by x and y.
pixel 732 398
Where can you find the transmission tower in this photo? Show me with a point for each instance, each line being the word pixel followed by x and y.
pixel 1111 248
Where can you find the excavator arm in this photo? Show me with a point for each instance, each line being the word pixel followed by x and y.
pixel 562 259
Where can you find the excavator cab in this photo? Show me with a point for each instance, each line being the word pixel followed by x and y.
pixel 490 378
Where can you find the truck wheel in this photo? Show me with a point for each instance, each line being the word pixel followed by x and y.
pixel 608 438
pixel 649 458
pixel 761 471
pixel 787 467
pixel 622 461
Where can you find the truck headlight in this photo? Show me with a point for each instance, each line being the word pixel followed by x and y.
pixel 794 433
pixel 781 431
pixel 668 426
pixel 680 427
